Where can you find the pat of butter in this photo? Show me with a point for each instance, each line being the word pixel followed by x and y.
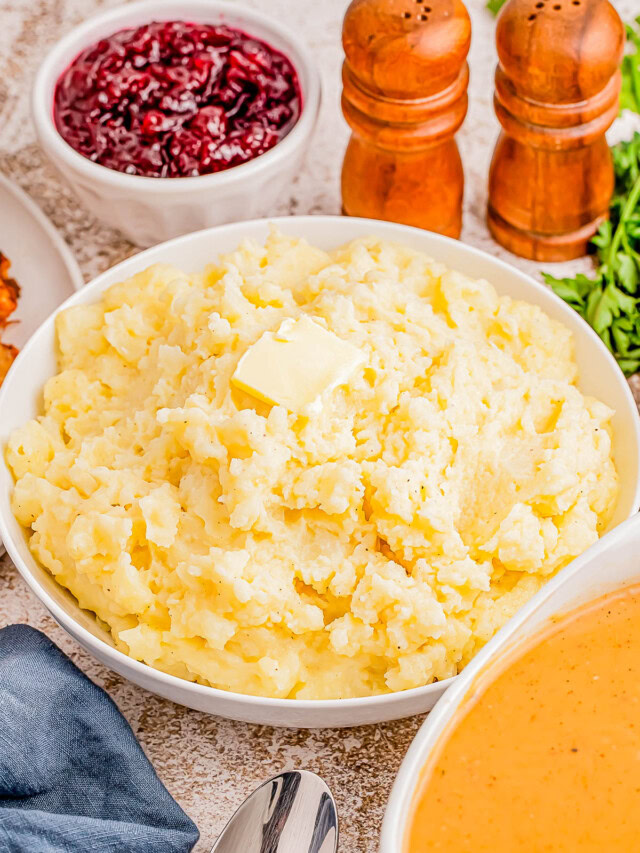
pixel 294 366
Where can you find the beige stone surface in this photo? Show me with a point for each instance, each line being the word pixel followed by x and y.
pixel 210 764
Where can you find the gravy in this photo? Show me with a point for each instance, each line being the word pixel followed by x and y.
pixel 545 754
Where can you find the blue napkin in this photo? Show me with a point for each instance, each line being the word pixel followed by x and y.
pixel 72 775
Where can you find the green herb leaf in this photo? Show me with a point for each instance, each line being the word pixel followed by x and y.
pixel 627 272
pixel 494 6
pixel 604 236
pixel 572 290
pixel 629 366
pixel 620 339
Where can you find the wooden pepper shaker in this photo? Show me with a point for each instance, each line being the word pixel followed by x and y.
pixel 405 82
pixel 557 91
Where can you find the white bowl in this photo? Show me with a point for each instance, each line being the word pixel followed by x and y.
pixel 610 563
pixel 20 400
pixel 149 210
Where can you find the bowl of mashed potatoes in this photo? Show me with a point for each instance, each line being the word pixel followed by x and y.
pixel 301 472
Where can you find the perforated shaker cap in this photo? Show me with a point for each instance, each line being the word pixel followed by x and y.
pixel 406 49
pixel 559 51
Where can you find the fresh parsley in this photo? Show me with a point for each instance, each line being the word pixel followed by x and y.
pixel 630 94
pixel 610 302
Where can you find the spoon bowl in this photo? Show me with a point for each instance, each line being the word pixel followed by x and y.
pixel 292 813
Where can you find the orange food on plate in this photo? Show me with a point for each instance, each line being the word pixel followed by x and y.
pixel 9 294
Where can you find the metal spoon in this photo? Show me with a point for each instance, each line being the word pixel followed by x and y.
pixel 291 813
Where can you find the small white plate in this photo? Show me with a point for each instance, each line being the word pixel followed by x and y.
pixel 41 262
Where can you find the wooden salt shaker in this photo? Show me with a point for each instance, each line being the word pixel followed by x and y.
pixel 405 82
pixel 557 91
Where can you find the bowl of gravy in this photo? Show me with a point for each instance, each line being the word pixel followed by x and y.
pixel 536 746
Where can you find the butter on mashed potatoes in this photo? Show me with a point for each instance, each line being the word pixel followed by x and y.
pixel 370 543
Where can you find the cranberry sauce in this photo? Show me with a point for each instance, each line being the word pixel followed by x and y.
pixel 176 99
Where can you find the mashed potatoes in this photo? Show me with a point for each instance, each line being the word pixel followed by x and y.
pixel 372 543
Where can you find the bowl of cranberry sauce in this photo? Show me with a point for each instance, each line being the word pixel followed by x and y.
pixel 176 99
pixel 167 117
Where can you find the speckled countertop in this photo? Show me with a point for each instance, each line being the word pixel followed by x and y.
pixel 210 764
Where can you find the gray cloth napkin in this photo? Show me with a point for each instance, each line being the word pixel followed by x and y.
pixel 72 775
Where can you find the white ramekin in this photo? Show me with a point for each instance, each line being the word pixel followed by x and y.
pixel 609 564
pixel 150 210
pixel 21 399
